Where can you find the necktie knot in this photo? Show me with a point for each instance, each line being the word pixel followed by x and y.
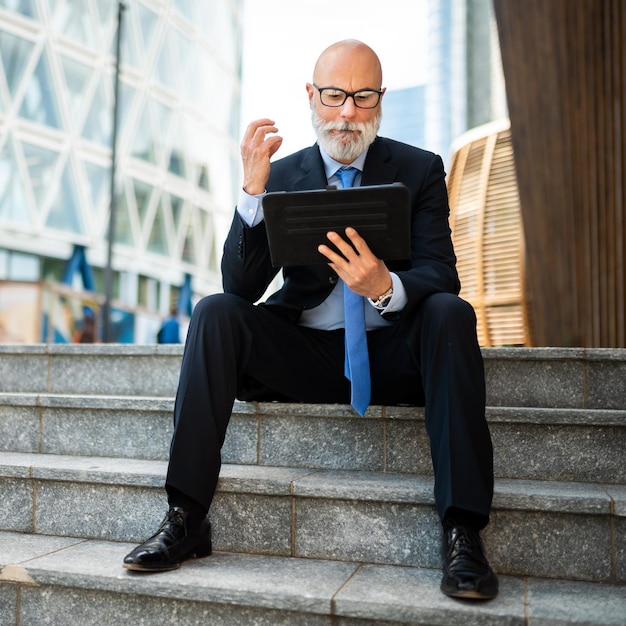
pixel 347 176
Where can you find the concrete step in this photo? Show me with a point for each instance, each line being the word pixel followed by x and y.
pixel 538 528
pixel 81 583
pixel 321 517
pixel 583 445
pixel 540 377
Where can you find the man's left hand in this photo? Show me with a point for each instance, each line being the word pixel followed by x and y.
pixel 363 272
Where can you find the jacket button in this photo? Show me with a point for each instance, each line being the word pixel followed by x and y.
pixel 332 280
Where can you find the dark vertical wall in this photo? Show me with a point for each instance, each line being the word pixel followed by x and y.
pixel 564 63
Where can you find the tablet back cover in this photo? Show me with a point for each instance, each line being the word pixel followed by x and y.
pixel 297 222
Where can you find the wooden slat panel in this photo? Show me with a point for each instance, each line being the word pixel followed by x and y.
pixel 488 237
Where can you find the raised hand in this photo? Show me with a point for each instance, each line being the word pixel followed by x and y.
pixel 258 145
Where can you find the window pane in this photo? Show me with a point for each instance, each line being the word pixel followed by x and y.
pixel 129 45
pixel 177 155
pixel 187 8
pixel 41 164
pixel 23 267
pixel 151 132
pixel 189 243
pixel 177 210
pixel 4 264
pixel 143 147
pixel 65 213
pixel 126 97
pixel 73 20
pixel 76 78
pixel 12 200
pixel 98 182
pixel 143 193
pixel 39 104
pixel 148 21
pixel 174 59
pixel 123 227
pixel 15 54
pixel 52 269
pixel 99 124
pixel 164 70
pixel 157 242
pixel 106 21
pixel 107 11
pixel 25 7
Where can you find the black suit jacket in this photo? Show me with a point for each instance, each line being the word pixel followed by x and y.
pixel 246 266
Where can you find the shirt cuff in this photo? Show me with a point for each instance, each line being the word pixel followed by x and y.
pixel 250 208
pixel 398 300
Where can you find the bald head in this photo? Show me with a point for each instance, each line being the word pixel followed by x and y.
pixel 349 64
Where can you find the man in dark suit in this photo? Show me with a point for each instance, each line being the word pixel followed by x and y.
pixel 421 337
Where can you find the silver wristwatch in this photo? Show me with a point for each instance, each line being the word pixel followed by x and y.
pixel 382 301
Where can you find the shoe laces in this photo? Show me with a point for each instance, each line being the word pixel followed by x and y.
pixel 465 552
pixel 174 518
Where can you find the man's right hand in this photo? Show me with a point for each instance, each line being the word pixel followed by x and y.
pixel 258 146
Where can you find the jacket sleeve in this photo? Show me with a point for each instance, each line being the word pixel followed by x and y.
pixel 433 263
pixel 246 265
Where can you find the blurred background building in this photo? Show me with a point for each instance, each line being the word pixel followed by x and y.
pixel 536 162
pixel 177 157
pixel 466 86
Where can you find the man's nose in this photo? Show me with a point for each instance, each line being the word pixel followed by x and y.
pixel 348 108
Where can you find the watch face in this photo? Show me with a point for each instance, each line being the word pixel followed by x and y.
pixel 385 298
pixel 383 301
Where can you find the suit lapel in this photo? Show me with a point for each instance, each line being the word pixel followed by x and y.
pixel 378 169
pixel 311 174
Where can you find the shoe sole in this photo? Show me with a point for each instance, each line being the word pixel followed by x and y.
pixel 469 595
pixel 142 568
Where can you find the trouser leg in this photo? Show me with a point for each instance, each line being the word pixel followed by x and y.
pixel 430 357
pixel 454 386
pixel 433 356
pixel 227 339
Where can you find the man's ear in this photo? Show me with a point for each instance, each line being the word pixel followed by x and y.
pixel 310 89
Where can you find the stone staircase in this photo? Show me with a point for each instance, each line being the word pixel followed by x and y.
pixel 321 517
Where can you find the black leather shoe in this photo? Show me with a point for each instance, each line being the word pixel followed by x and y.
pixel 178 538
pixel 466 571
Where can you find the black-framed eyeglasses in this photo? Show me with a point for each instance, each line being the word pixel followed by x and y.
pixel 363 99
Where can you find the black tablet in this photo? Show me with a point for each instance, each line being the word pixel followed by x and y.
pixel 297 221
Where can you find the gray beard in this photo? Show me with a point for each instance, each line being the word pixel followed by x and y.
pixel 336 146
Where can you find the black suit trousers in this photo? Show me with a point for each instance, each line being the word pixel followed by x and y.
pixel 430 357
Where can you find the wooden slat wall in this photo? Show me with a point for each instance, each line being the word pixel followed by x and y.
pixel 564 63
pixel 485 219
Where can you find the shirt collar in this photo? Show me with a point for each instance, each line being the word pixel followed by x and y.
pixel 331 166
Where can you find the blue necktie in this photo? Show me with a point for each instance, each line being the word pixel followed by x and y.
pixel 357 363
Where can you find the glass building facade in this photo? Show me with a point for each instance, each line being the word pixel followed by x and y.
pixel 403 115
pixel 466 85
pixel 177 141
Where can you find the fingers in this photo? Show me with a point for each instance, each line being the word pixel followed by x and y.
pixel 357 266
pixel 258 145
pixel 354 249
pixel 259 139
pixel 345 260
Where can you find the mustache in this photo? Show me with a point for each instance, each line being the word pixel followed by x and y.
pixel 340 126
